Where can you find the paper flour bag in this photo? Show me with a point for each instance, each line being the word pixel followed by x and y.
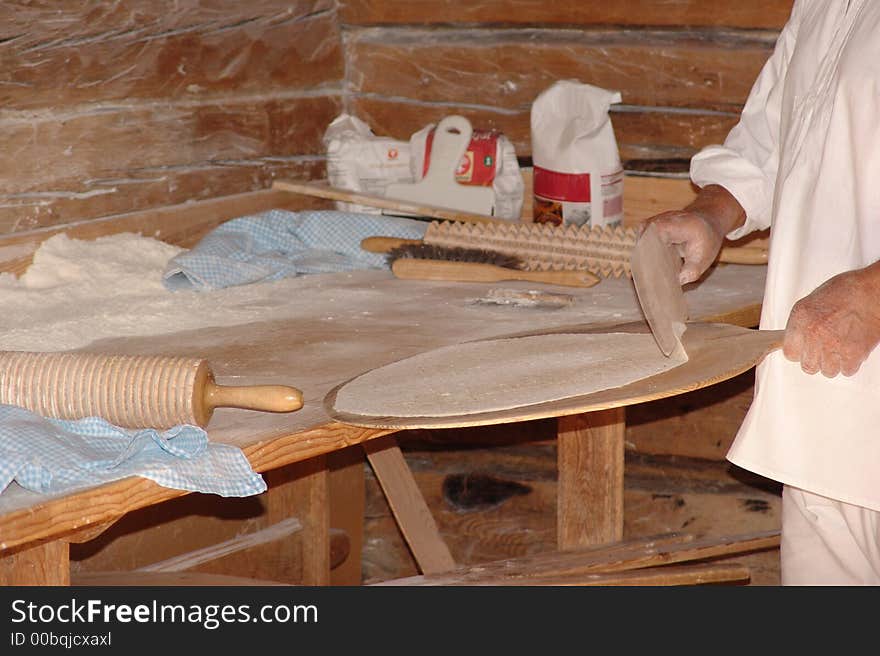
pixel 490 161
pixel 358 160
pixel 578 178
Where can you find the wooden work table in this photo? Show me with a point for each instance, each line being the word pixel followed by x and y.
pixel 342 325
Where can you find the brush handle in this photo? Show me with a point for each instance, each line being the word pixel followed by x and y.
pixel 416 269
pixel 386 244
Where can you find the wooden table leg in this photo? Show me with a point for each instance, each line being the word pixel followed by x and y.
pixel 301 490
pixel 589 506
pixel 347 506
pixel 408 506
pixel 44 564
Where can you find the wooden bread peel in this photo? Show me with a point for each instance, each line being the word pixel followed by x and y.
pixel 129 391
pixel 716 352
pixel 655 276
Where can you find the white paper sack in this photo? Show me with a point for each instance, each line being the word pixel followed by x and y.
pixel 578 177
pixel 358 160
pixel 505 174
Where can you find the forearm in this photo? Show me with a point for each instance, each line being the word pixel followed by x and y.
pixel 719 208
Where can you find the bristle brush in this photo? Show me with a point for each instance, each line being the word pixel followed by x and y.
pixel 421 261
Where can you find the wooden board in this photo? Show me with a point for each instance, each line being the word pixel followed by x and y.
pixel 716 353
pixel 511 67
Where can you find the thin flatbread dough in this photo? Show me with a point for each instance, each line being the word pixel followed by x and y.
pixel 502 374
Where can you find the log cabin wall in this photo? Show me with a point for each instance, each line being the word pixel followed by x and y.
pixel 107 108
pixel 683 67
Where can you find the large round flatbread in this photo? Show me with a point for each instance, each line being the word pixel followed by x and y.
pixel 502 374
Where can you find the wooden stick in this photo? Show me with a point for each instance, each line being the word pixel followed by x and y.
pixel 408 506
pixel 380 202
pixel 283 529
pixel 614 558
pixel 656 576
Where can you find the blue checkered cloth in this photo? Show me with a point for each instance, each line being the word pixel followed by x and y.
pixel 55 456
pixel 278 244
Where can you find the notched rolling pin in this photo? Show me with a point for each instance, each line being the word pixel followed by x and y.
pixel 606 257
pixel 129 391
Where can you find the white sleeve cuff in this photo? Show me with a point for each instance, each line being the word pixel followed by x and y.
pixel 745 181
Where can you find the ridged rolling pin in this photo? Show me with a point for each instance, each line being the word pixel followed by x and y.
pixel 129 391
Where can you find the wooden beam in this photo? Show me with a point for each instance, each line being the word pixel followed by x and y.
pixel 751 14
pixel 408 505
pixel 109 142
pixel 512 67
pixel 73 201
pixel 590 492
pixel 186 51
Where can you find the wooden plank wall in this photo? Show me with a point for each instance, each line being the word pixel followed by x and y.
pixel 683 67
pixel 108 108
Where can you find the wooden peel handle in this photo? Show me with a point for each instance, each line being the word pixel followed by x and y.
pixel 268 398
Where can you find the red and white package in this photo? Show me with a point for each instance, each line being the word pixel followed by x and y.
pixel 489 161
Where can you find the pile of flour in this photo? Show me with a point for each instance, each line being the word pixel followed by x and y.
pixel 79 291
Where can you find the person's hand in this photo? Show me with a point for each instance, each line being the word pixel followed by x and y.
pixel 835 328
pixel 693 236
pixel 698 230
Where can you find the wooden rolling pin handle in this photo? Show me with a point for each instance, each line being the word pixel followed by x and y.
pixel 268 398
pixel 385 244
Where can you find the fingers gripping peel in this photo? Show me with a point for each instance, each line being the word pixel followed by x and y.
pixel 835 328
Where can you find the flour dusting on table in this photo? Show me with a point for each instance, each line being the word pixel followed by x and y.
pixel 79 291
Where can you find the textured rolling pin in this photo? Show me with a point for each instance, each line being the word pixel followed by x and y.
pixel 130 391
pixel 604 251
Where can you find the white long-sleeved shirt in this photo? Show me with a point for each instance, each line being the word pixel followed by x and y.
pixel 805 159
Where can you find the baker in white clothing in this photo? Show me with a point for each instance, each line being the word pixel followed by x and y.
pixel 805 159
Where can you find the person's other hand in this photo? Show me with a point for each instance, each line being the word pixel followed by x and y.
pixel 698 230
pixel 835 328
